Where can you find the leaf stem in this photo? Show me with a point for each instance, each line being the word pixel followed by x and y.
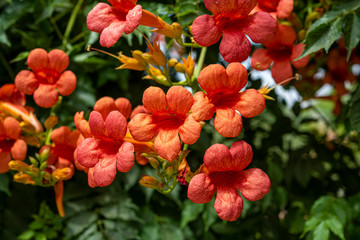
pixel 71 23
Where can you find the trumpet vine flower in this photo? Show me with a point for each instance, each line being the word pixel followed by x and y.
pixel 223 96
pixel 225 177
pixel 231 21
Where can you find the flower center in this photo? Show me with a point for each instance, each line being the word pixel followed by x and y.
pixel 47 76
pixel 280 53
pixel 221 21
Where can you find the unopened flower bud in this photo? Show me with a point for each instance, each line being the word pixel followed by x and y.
pixel 23 178
pixel 149 58
pixel 149 182
pixel 33 161
pixel 19 166
pixel 154 163
pixel 180 68
pixel 63 173
pixel 137 54
pixel 50 122
pixel 172 62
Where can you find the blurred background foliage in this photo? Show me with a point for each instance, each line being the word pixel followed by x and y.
pixel 311 155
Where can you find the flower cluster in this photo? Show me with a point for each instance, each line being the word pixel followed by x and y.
pixel 112 135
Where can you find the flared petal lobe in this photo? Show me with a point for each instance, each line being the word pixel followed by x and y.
pixel 58 60
pixel 251 103
pixel 66 83
pixel 284 8
pixel 46 95
pixel 255 184
pixel 38 59
pixel 116 126
pixel 105 171
pixel 228 203
pixel 228 122
pixel 202 109
pixel 190 130
pixel 167 144
pixel 212 78
pixel 205 31
pixel 142 127
pixel 218 158
pixel 26 82
pixel 241 154
pixel 125 157
pixel 154 100
pixel 260 60
pixel 281 70
pixel 201 190
pixel 133 19
pixel 179 100
pixel 297 50
pixel 234 46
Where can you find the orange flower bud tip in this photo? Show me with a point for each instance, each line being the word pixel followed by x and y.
pixel 149 182
pixel 18 166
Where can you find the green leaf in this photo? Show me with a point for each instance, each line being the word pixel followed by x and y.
pixel 20 56
pixel 190 212
pixel 28 234
pixel 40 236
pixel 4 184
pixel 351 25
pixel 336 227
pixel 321 232
pixel 322 36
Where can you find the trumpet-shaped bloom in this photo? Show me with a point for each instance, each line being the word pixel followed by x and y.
pixel 231 21
pixel 280 51
pixel 11 147
pixel 167 119
pixel 280 8
pixel 47 78
pixel 106 151
pixel 223 97
pixel 226 176
pixel 9 93
pixel 121 15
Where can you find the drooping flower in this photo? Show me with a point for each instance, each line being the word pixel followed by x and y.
pixel 231 21
pixel 280 51
pixel 226 176
pixel 167 119
pixel 124 15
pixel 11 147
pixel 48 77
pixel 107 150
pixel 277 8
pixel 223 97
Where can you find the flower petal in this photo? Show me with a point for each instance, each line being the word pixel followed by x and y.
pixel 97 125
pixel 202 109
pixel 125 157
pixel 123 5
pixel 66 83
pixel 200 189
pixel 255 184
pixel 116 125
pixel 284 8
pixel 19 150
pixel 111 34
pixel 228 203
pixel 91 181
pixel 205 31
pixel 281 70
pixel 218 158
pixel 242 154
pixel 38 59
pixel 237 76
pixel 4 162
pixel 154 100
pixel 297 50
pixel 260 60
pixel 123 105
pixel 133 19
pixel 88 153
pixel 179 100
pixel 58 60
pixel 230 8
pixel 260 27
pixel 190 130
pixel 234 46
pixel 251 103
pixel 228 122
pixel 105 171
pixel 142 128
pixel 46 96
pixel 11 127
pixel 212 78
pixel 285 36
pixel 26 82
pixel 167 144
